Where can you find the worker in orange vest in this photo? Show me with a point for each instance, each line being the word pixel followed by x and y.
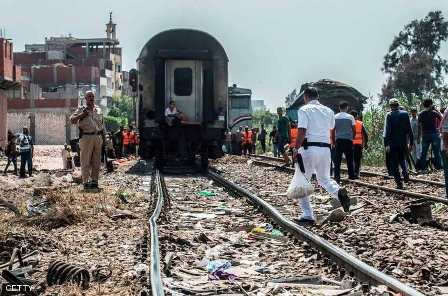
pixel 132 140
pixel 293 134
pixel 247 141
pixel 126 141
pixel 359 142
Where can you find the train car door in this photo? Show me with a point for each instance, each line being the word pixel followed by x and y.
pixel 183 84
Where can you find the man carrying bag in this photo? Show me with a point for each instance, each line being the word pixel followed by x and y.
pixel 313 149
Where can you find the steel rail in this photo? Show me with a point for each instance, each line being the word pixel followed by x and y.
pixel 361 270
pixel 156 278
pixel 417 180
pixel 400 191
pixel 364 173
pixel 373 186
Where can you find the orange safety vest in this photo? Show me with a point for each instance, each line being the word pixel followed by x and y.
pixel 247 137
pixel 293 134
pixel 358 133
pixel 132 138
pixel 126 138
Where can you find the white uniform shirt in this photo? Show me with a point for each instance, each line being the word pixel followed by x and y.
pixel 318 120
pixel 169 112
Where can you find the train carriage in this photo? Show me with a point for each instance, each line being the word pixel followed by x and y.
pixel 331 93
pixel 190 68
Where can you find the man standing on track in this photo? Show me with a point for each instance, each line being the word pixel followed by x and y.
pixel 315 121
pixel 428 120
pixel 283 133
pixel 359 142
pixel 262 138
pixel 90 123
pixel 444 131
pixel 343 134
pixel 398 139
pixel 416 132
pixel 247 141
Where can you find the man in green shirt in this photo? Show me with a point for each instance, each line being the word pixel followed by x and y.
pixel 283 133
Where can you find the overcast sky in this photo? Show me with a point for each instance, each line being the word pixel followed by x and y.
pixel 273 46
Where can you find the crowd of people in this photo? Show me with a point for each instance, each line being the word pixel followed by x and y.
pixel 348 138
pixel 411 140
pixel 419 140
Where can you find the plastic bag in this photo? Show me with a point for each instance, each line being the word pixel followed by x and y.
pixel 299 186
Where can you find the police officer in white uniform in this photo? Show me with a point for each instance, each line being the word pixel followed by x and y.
pixel 315 122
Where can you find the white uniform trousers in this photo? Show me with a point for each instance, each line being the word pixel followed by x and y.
pixel 317 160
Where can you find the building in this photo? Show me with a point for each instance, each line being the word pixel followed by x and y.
pixel 258 105
pixel 240 108
pixel 68 62
pixel 9 79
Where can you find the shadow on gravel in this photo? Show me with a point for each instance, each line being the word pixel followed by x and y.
pixel 141 168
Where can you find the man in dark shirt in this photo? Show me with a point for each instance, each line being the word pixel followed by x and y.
pixel 398 139
pixel 283 133
pixel 428 121
pixel 262 138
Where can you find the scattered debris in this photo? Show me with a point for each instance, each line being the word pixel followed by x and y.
pixel 60 272
pixel 206 193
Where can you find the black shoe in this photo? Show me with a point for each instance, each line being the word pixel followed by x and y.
pixel 400 186
pixel 406 179
pixel 344 199
pixel 87 186
pixel 304 221
pixel 94 185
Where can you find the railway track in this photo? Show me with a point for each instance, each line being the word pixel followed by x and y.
pixel 407 193
pixel 183 244
pixel 396 247
pixel 362 173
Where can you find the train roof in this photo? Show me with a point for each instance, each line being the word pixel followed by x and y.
pixel 236 91
pixel 331 93
pixel 184 44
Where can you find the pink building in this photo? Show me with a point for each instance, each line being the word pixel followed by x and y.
pixel 9 79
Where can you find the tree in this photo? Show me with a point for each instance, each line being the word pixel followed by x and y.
pixel 121 112
pixel 263 117
pixel 122 107
pixel 412 65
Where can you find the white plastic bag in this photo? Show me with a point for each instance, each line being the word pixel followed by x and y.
pixel 299 186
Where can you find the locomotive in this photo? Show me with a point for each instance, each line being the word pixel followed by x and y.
pixel 188 67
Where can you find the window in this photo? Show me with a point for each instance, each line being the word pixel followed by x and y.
pixel 240 103
pixel 183 81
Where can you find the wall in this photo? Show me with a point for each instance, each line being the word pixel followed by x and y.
pixel 47 119
pixel 3 121
pixel 50 128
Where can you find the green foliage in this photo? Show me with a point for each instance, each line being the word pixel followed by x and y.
pixel 373 120
pixel 113 123
pixel 263 117
pixel 122 109
pixel 412 64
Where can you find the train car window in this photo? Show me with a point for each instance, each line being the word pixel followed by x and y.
pixel 183 81
pixel 240 103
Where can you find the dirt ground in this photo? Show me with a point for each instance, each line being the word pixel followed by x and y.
pixel 100 232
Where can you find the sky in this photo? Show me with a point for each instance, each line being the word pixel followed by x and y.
pixel 273 46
